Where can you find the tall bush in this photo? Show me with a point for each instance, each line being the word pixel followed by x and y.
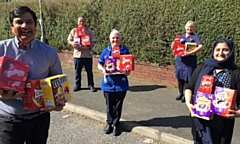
pixel 147 26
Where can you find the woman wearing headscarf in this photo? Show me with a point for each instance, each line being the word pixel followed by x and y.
pixel 221 65
pixel 186 63
pixel 114 86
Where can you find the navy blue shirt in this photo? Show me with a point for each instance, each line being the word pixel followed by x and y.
pixel 118 82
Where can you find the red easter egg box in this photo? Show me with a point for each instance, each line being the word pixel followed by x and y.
pixel 126 62
pixel 34 95
pixel 13 74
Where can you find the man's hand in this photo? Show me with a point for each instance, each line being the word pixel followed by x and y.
pixel 57 108
pixel 75 44
pixel 10 94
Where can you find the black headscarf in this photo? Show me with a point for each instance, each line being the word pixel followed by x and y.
pixel 209 65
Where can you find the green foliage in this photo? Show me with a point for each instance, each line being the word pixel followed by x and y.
pixel 147 26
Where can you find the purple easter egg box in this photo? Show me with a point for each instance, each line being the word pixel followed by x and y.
pixel 223 100
pixel 112 65
pixel 202 105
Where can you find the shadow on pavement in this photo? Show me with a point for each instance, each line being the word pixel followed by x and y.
pixel 86 88
pixel 138 88
pixel 174 122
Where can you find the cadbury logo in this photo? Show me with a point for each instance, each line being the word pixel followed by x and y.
pixel 15 72
pixel 220 94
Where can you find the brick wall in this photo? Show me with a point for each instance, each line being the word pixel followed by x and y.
pixel 143 71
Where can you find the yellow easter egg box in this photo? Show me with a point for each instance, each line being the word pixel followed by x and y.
pixel 190 46
pixel 55 90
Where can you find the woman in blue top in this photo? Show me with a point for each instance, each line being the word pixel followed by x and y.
pixel 186 63
pixel 114 86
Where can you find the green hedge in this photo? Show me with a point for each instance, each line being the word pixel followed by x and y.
pixel 147 26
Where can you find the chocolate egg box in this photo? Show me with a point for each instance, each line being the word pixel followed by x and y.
pixel 56 90
pixel 13 74
pixel 34 95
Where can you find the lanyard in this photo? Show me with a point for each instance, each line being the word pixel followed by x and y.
pixel 220 79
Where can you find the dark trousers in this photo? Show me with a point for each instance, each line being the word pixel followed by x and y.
pixel 17 131
pixel 87 63
pixel 181 86
pixel 114 102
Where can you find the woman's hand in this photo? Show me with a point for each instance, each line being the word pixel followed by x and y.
pixel 10 94
pixel 104 72
pixel 186 54
pixel 234 113
pixel 172 44
pixel 127 72
pixel 190 107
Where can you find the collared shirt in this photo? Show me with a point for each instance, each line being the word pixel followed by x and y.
pixel 43 62
pixel 118 82
pixel 82 53
pixel 191 38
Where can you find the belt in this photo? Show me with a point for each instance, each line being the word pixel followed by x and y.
pixel 23 117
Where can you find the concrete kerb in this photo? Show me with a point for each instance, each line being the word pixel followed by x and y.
pixel 130 126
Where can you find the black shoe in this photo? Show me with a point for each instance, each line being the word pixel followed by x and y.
pixel 108 129
pixel 116 131
pixel 179 97
pixel 76 88
pixel 92 89
pixel 183 99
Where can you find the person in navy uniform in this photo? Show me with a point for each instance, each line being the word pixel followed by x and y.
pixel 186 63
pixel 114 86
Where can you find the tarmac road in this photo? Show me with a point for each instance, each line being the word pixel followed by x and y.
pixel 147 104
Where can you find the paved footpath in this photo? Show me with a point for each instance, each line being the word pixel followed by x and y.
pixel 149 109
pixel 70 128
